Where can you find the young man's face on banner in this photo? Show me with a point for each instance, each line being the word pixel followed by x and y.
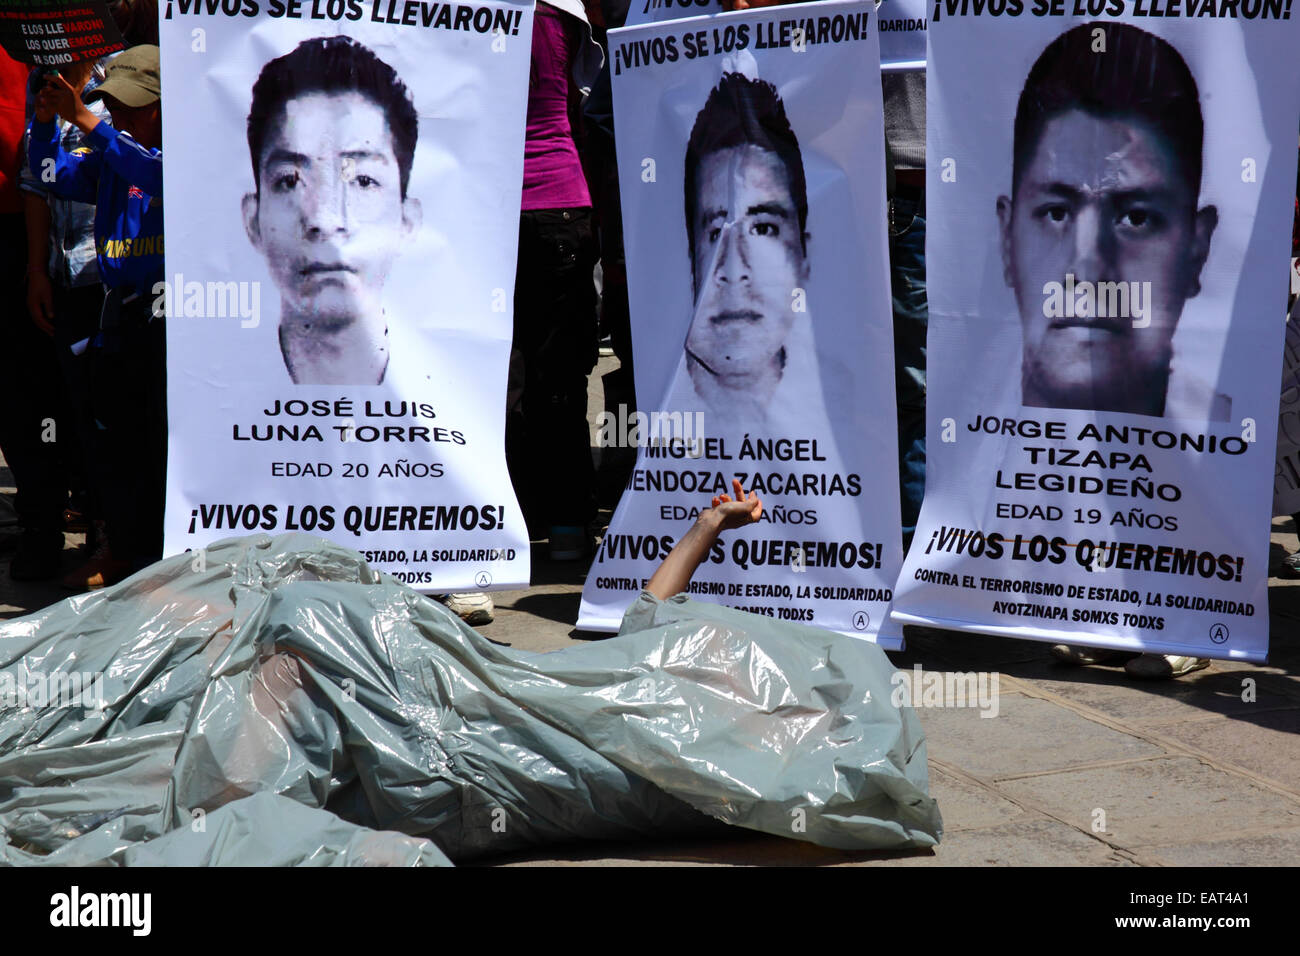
pixel 1103 200
pixel 749 260
pixel 330 217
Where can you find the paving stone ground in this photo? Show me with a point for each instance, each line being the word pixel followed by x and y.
pixel 1081 766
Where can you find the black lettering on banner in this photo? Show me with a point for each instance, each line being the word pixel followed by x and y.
pixel 1180 9
pixel 730 37
pixel 424 14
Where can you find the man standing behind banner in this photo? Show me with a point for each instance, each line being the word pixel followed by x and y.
pixel 1101 237
pixel 331 135
pixel 122 175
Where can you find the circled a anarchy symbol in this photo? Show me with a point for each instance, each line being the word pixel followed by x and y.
pixel 482 579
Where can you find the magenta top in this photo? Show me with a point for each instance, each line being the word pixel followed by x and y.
pixel 553 176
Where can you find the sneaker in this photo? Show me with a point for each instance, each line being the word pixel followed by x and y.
pixel 100 571
pixel 606 347
pixel 1164 666
pixel 38 556
pixel 1071 654
pixel 472 607
pixel 568 543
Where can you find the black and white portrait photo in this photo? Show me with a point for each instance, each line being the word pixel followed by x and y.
pixel 331 135
pixel 1103 238
pixel 746 215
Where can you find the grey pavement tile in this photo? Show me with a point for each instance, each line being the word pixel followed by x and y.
pixel 968 806
pixel 21 598
pixel 1266 743
pixel 1217 690
pixel 538 619
pixel 1026 735
pixel 1032 841
pixel 1158 801
pixel 1280 848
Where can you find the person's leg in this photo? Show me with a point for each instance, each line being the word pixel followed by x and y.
pixel 76 319
pixel 129 405
pixel 911 321
pixel 559 344
pixel 29 418
pixel 619 385
pixel 911 467
pixel 523 356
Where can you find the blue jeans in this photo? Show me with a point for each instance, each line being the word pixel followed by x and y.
pixel 911 321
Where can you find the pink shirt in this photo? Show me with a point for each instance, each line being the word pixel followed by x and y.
pixel 553 177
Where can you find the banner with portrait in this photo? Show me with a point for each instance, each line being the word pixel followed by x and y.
pixel 341 234
pixel 1110 205
pixel 751 173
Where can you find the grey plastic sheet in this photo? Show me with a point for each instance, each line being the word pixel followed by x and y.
pixel 275 701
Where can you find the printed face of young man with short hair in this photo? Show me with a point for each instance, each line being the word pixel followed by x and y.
pixel 748 261
pixel 1103 200
pixel 329 216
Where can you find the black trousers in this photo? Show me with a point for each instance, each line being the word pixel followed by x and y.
pixel 128 398
pixel 31 422
pixel 76 318
pixel 548 443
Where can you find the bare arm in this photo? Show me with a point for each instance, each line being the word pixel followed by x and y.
pixel 674 575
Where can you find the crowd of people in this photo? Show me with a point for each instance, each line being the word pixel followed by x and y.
pixel 82 340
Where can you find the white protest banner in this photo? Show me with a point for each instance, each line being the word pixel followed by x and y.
pixel 901 25
pixel 1110 207
pixel 753 218
pixel 902 34
pixel 341 220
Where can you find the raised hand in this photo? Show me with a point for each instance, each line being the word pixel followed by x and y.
pixel 739 511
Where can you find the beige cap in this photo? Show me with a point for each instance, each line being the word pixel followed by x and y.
pixel 132 77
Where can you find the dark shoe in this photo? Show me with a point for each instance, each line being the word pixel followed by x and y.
pixel 101 571
pixel 96 574
pixel 1072 654
pixel 39 556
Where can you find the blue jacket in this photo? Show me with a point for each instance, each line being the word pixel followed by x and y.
pixel 124 181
